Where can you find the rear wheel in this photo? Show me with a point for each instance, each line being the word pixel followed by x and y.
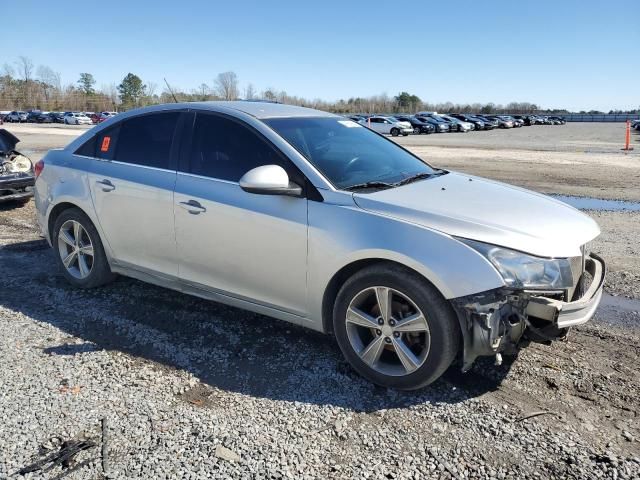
pixel 395 328
pixel 79 250
pixel 416 131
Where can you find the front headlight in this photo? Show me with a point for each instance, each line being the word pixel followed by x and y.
pixel 18 164
pixel 520 270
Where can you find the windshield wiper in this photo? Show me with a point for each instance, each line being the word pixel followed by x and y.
pixel 420 176
pixel 372 184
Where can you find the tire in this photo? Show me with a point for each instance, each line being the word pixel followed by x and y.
pixel 405 134
pixel 433 347
pixel 416 131
pixel 394 132
pixel 99 272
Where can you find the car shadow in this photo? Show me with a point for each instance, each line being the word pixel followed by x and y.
pixel 224 347
pixel 6 205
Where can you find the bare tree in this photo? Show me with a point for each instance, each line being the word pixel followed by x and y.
pixel 270 93
pixel 249 92
pixel 25 68
pixel 226 85
pixel 203 92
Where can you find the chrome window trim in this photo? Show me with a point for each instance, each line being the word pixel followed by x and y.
pixel 204 177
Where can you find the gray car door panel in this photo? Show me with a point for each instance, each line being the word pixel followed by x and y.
pixel 246 245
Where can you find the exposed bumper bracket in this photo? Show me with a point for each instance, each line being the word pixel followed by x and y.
pixel 569 314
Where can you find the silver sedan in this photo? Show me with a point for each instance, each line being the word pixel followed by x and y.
pixel 311 218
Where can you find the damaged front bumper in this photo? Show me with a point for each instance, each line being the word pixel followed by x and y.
pixel 16 186
pixel 502 320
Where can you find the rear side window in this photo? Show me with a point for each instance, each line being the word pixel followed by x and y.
pixel 145 140
pixel 88 148
pixel 225 149
pixel 106 142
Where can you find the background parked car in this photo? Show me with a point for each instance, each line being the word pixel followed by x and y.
pixel 76 118
pixel 388 125
pixel 440 126
pixel 107 115
pixel 32 115
pixel 453 127
pixel 44 117
pixel 558 120
pixel 478 123
pixel 56 117
pixel 502 123
pixel 460 125
pixel 16 116
pixel 526 119
pixel 418 125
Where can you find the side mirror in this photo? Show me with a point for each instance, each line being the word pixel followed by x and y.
pixel 269 180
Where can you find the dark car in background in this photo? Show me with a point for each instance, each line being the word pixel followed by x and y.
pixel 33 115
pixel 478 123
pixel 56 117
pixel 418 125
pixel 440 127
pixel 558 120
pixel 494 123
pixel 43 118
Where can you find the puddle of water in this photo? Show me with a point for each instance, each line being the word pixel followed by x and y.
pixel 590 203
pixel 619 311
pixel 622 303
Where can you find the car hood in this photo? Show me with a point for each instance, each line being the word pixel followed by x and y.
pixel 487 211
pixel 8 141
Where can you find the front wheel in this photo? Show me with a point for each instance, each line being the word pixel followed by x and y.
pixel 394 327
pixel 394 132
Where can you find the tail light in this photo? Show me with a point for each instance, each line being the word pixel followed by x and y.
pixel 38 167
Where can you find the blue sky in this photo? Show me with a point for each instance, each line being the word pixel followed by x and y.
pixel 572 54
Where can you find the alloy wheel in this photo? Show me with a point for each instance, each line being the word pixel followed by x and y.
pixel 75 249
pixel 388 331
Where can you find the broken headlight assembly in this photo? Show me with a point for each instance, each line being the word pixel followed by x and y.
pixel 18 164
pixel 522 271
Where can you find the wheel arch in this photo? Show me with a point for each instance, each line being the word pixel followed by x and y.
pixel 343 274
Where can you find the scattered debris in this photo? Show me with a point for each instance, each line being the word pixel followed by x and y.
pixel 224 453
pixel 534 414
pixel 104 448
pixel 63 457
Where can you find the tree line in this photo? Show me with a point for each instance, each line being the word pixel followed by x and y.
pixel 25 87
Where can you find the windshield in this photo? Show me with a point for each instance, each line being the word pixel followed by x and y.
pixel 347 153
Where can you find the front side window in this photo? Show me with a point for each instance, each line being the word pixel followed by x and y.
pixel 225 149
pixel 145 140
pixel 347 153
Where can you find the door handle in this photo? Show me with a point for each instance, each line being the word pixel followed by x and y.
pixel 106 185
pixel 192 207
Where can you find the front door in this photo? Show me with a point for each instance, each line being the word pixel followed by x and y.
pixel 252 247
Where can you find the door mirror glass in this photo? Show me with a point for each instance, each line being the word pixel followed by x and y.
pixel 269 180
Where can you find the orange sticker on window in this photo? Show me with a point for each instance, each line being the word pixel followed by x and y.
pixel 105 144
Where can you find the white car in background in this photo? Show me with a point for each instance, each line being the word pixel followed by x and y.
pixel 388 125
pixel 77 118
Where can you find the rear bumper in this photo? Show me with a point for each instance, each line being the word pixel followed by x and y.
pixel 578 312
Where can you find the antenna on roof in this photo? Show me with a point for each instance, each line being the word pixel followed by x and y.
pixel 170 91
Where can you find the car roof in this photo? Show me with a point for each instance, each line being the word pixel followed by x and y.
pixel 257 109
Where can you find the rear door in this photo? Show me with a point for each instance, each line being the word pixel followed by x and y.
pixel 235 243
pixel 132 188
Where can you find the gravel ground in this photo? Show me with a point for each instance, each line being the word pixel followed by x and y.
pixel 195 389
